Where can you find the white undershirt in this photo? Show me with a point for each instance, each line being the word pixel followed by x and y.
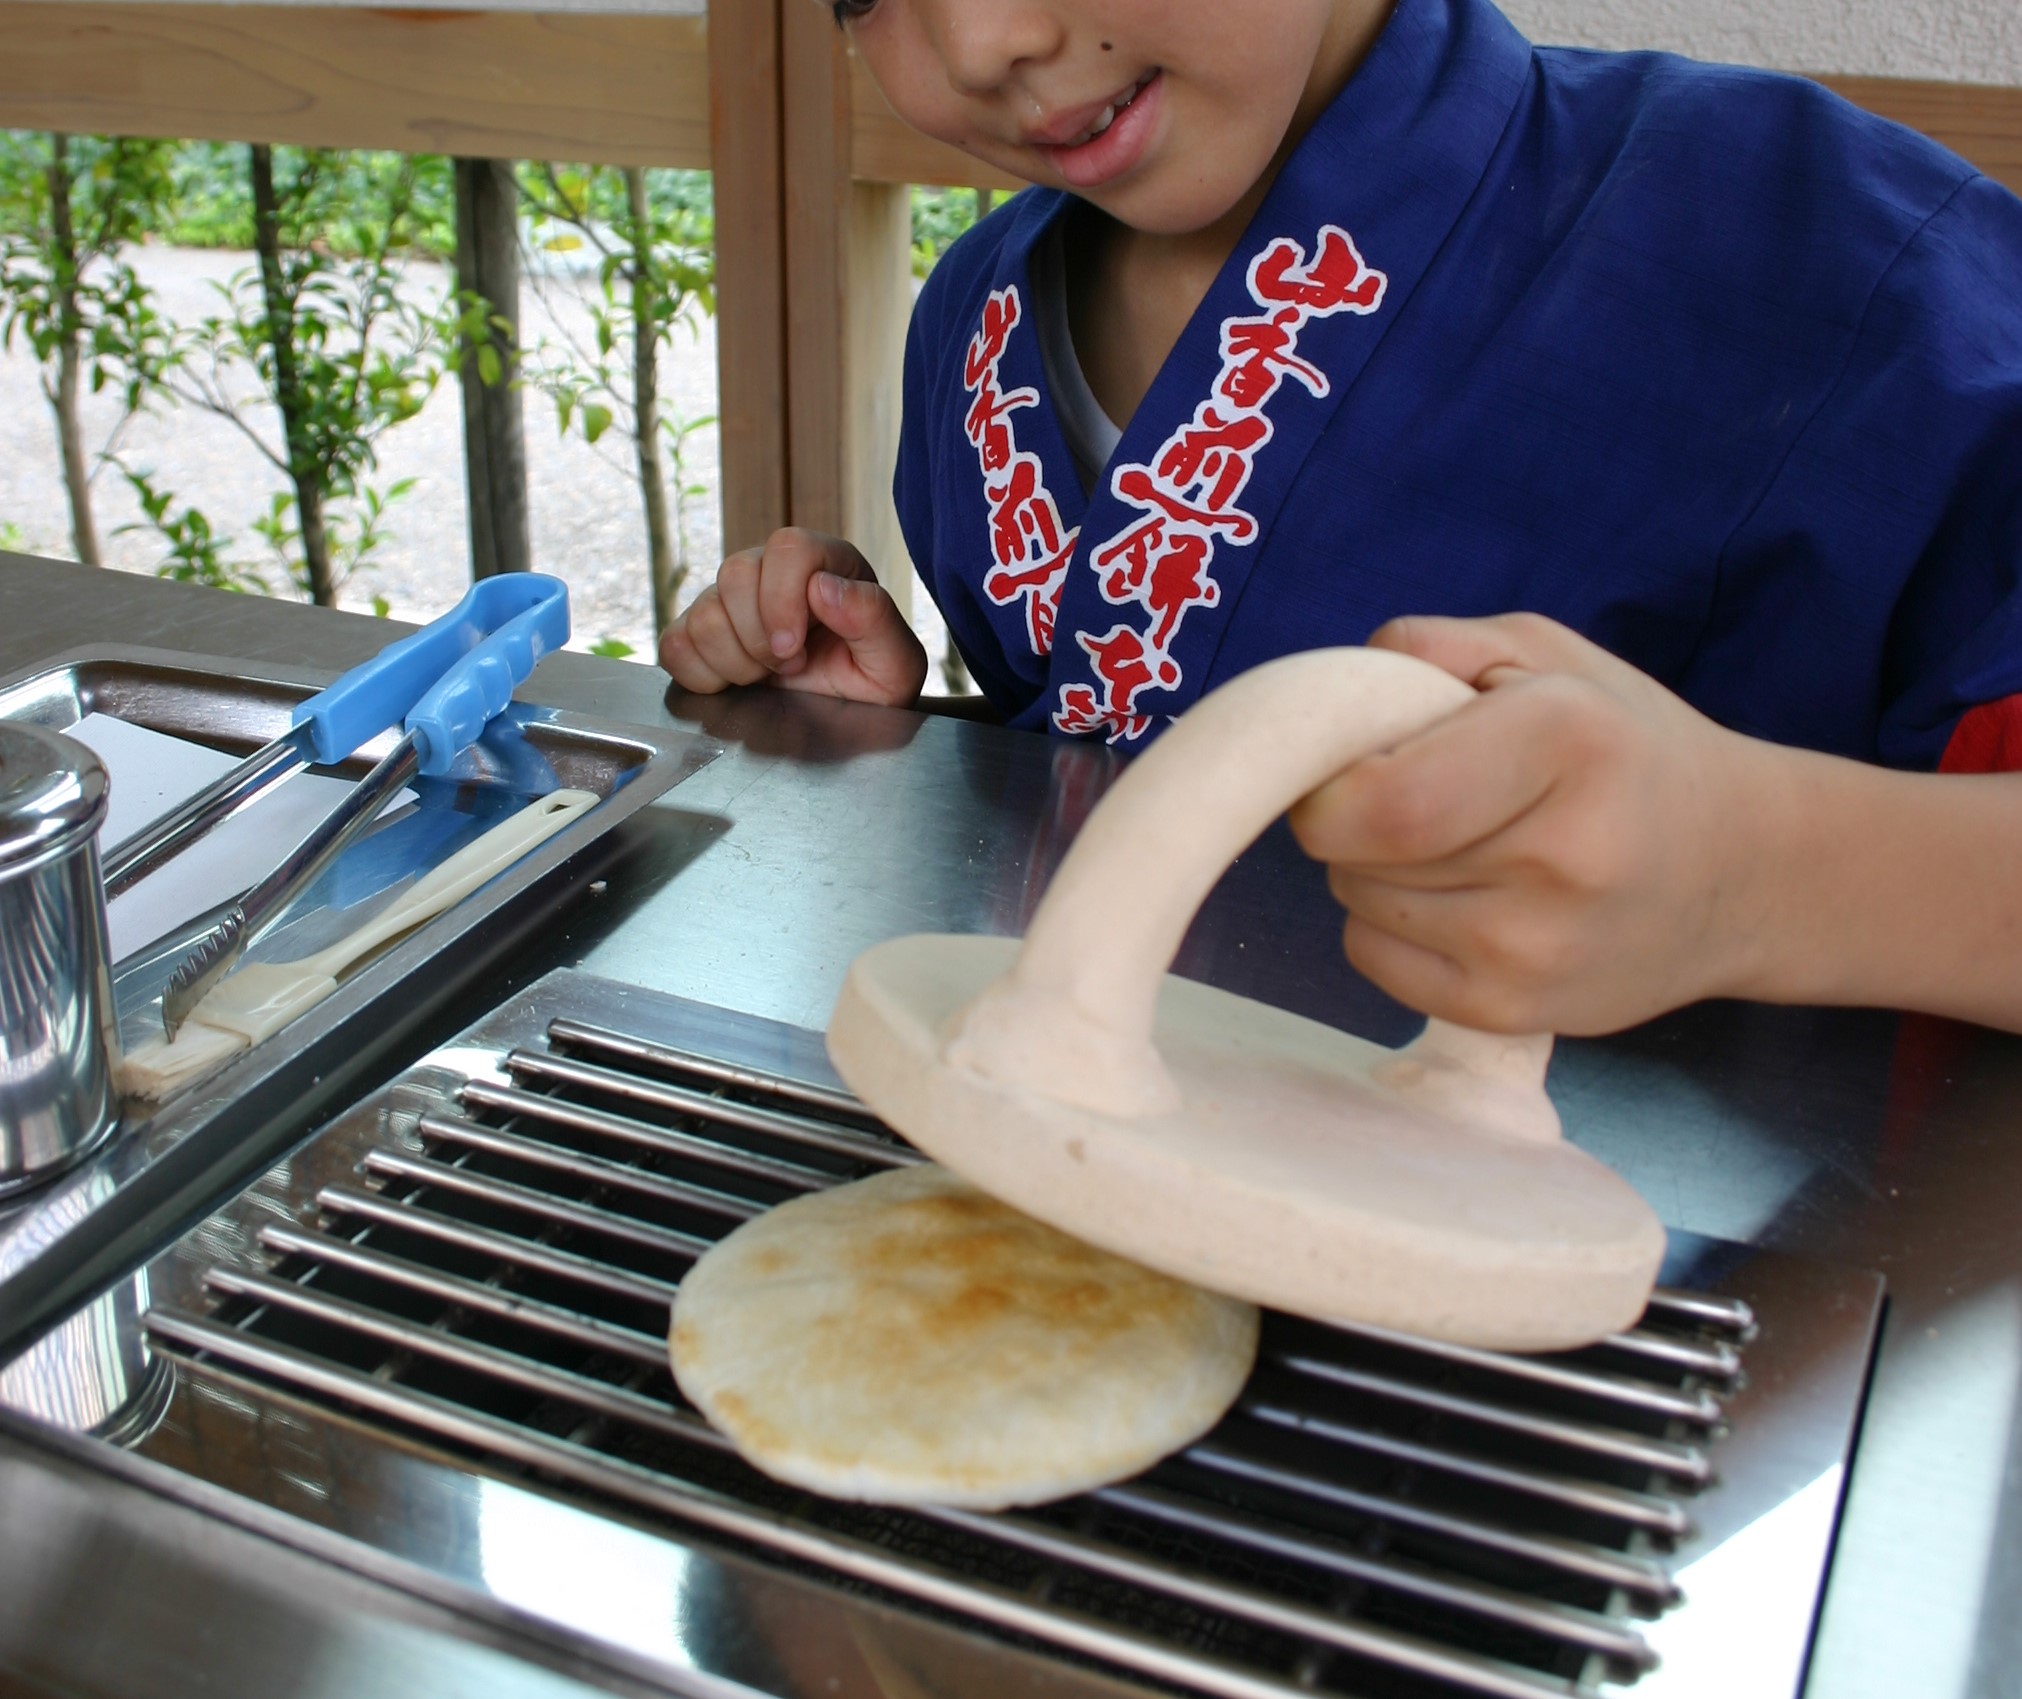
pixel 1091 434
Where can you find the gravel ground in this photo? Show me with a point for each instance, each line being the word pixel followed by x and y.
pixel 585 513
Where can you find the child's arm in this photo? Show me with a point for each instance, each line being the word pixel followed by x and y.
pixel 804 612
pixel 1579 850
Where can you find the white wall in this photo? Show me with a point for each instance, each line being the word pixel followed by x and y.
pixel 1977 41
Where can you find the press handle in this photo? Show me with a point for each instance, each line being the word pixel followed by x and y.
pixel 454 713
pixel 1073 1018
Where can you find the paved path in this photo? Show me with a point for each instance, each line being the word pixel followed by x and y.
pixel 585 511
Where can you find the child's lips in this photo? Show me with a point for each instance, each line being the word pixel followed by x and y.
pixel 1111 141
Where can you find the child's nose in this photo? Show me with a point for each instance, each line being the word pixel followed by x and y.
pixel 984 41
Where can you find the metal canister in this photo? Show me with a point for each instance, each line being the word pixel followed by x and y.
pixel 58 1032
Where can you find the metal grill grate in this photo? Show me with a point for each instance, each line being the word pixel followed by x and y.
pixel 1378 1516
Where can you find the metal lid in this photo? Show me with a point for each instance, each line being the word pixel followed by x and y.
pixel 52 793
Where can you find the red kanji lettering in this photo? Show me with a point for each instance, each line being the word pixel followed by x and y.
pixel 1336 280
pixel 1136 484
pixel 1256 355
pixel 1214 451
pixel 1000 316
pixel 1179 581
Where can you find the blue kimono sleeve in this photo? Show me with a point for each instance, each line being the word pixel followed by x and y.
pixel 1914 459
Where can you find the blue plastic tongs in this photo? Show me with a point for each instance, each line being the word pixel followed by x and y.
pixel 341 719
pixel 443 686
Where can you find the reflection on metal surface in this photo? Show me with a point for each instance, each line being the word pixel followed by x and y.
pixel 1745 1579
pixel 626 1590
pixel 489 1278
pixel 58 1032
pixel 93 1374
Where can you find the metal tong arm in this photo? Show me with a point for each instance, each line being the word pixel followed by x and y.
pixel 136 857
pixel 214 955
pixel 342 826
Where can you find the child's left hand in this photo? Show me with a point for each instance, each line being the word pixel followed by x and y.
pixel 1571 852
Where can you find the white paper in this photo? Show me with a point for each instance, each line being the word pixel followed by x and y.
pixel 151 773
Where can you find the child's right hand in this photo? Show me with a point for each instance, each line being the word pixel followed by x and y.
pixel 805 612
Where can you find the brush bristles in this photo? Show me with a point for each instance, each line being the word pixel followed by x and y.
pixel 157 1070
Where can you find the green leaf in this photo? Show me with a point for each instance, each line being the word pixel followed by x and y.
pixel 489 368
pixel 613 648
pixel 381 606
pixel 596 420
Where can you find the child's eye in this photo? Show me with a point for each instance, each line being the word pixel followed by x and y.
pixel 845 10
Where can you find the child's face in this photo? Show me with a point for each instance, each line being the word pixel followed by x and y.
pixel 1198 95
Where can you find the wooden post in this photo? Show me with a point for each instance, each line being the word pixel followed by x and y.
pixel 494 441
pixel 751 362
pixel 849 256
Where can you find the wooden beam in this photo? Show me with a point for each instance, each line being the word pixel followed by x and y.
pixel 618 90
pixel 884 150
pixel 849 256
pixel 751 275
pixel 1977 122
pixel 814 80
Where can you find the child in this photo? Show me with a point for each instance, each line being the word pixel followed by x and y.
pixel 1330 312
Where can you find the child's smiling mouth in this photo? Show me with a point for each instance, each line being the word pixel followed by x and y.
pixel 1105 141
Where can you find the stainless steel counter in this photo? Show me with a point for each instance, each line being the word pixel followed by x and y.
pixel 1891 1144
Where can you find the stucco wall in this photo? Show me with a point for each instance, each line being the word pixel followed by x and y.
pixel 1977 41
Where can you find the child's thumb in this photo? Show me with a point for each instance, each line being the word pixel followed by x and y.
pixel 856 609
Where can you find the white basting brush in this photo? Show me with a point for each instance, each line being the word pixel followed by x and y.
pixel 262 997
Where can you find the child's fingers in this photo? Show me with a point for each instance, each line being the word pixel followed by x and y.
pixel 681 663
pixel 1452 786
pixel 684 663
pixel 1474 649
pixel 719 656
pixel 792 558
pixel 737 588
pixel 1425 979
pixel 882 647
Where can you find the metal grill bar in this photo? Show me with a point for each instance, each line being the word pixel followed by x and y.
pixel 643 1135
pixel 505 1195
pixel 1618 1504
pixel 1475 1548
pixel 1632 1574
pixel 834 1551
pixel 1703 1309
pixel 601 1397
pixel 1715 1359
pixel 1549 1621
pixel 521 1253
pixel 460 1293
pixel 595 1170
pixel 1594 1562
pixel 678 1100
pixel 584 1035
pixel 1699 1408
pixel 1683 1462
pixel 1561 1622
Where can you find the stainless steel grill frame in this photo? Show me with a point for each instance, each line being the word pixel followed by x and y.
pixel 465 1281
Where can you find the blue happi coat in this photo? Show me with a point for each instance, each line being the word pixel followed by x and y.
pixel 1702 362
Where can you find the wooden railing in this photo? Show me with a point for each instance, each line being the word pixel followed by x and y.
pixel 812 244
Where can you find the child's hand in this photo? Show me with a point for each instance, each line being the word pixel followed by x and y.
pixel 1571 852
pixel 805 612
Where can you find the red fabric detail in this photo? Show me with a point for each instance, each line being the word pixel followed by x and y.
pixel 1987 740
